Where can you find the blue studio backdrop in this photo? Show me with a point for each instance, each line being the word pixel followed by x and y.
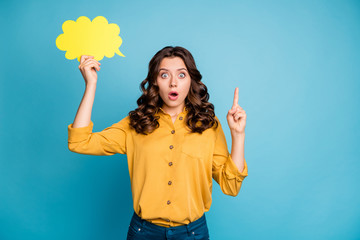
pixel 296 64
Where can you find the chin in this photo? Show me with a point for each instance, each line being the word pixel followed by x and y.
pixel 172 104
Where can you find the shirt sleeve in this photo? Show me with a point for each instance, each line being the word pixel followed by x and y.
pixel 224 170
pixel 109 141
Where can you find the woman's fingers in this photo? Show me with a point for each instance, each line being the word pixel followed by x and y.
pixel 90 60
pixel 85 57
pixel 237 113
pixel 236 98
pixel 91 65
pixel 236 110
pixel 86 62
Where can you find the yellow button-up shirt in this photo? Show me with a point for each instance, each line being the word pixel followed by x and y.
pixel 170 170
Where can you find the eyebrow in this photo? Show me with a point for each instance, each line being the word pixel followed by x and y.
pixel 177 70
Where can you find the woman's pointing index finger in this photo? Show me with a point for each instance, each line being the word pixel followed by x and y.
pixel 236 97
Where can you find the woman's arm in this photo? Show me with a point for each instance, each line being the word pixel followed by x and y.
pixel 236 118
pixel 88 66
pixel 81 139
pixel 83 114
pixel 224 170
pixel 237 150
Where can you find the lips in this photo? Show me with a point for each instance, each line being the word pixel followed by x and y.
pixel 173 95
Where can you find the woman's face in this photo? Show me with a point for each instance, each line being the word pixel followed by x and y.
pixel 174 83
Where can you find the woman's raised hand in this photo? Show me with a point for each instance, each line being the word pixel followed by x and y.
pixel 236 116
pixel 88 67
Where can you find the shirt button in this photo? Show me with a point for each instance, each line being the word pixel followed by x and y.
pixel 168 202
pixel 181 118
pixel 169 182
pixel 170 163
pixel 172 131
pixel 171 147
pixel 168 220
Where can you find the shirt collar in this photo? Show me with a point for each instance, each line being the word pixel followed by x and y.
pixel 185 111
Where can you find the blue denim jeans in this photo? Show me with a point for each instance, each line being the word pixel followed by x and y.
pixel 140 229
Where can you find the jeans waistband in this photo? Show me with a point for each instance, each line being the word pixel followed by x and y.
pixel 192 225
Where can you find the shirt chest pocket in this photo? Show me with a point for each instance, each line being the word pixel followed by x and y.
pixel 192 152
pixel 195 147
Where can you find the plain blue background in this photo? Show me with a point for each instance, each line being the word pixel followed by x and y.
pixel 296 64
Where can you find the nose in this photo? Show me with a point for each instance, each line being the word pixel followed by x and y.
pixel 173 82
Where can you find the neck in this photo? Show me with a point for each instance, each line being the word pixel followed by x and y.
pixel 173 111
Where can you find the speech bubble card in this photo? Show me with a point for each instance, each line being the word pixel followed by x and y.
pixel 97 38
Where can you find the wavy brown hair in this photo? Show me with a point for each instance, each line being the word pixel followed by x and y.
pixel 143 118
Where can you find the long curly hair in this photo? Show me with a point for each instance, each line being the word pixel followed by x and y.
pixel 143 118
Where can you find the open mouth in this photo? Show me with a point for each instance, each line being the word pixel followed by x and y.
pixel 173 95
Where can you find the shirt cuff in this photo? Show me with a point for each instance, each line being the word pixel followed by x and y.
pixel 79 134
pixel 233 171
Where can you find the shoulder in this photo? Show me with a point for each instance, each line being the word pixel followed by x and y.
pixel 217 120
pixel 217 128
pixel 123 123
pixel 125 120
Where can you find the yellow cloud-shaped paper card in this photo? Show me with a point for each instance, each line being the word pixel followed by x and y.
pixel 97 38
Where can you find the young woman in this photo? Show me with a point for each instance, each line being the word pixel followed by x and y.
pixel 174 144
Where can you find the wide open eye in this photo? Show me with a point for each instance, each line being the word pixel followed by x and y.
pixel 164 75
pixel 182 75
